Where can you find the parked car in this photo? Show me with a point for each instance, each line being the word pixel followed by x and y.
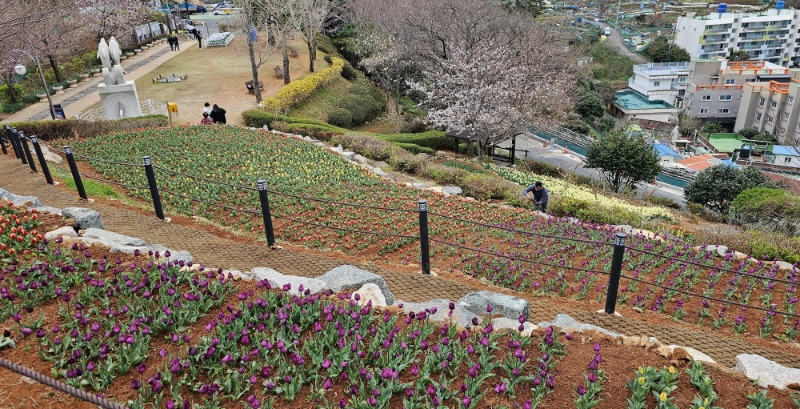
pixel 201 10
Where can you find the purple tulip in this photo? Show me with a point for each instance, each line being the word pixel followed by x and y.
pixel 592 377
pixel 581 390
pixel 466 401
pixel 136 384
pixel 328 384
pixel 489 308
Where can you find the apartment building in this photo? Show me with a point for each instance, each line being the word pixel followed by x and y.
pixel 661 81
pixel 769 36
pixel 773 108
pixel 715 87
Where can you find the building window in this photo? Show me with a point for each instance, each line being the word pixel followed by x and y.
pixel 706 97
pixel 790 99
pixel 762 101
pixel 773 104
pixel 682 79
pixel 725 97
pixel 723 110
pixel 769 119
pixel 657 83
pixel 758 116
pixel 785 116
pixel 730 81
pixel 703 110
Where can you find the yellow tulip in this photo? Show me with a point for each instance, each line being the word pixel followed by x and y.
pixel 662 397
pixel 641 380
pixel 672 369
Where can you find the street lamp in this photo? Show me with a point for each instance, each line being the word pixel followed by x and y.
pixel 20 69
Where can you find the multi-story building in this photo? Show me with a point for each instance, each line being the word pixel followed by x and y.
pixel 661 81
pixel 770 36
pixel 772 108
pixel 715 87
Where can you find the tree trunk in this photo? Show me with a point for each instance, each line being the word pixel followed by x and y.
pixel 253 68
pixel 312 53
pixel 285 52
pixel 54 66
pixel 12 92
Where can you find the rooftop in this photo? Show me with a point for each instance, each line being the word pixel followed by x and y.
pixel 664 68
pixel 725 142
pixel 700 162
pixel 785 150
pixel 665 150
pixel 629 99
pixel 788 13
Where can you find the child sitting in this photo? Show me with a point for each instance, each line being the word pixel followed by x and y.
pixel 206 120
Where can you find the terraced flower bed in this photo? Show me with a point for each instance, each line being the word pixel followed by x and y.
pixel 507 246
pixel 150 333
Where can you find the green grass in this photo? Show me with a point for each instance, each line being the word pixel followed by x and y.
pixel 93 188
pixel 609 66
pixel 323 101
pixel 465 166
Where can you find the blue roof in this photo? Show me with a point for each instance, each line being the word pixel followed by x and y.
pixel 785 150
pixel 665 150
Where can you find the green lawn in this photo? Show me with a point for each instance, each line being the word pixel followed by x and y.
pixel 322 101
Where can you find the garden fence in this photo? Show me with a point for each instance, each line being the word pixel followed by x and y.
pixel 18 143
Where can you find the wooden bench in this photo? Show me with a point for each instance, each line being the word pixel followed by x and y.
pixel 251 89
pixel 293 53
pixel 278 71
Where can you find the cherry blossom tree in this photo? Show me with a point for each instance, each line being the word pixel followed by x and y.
pixel 482 68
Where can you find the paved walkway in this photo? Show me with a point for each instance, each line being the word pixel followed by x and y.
pixel 83 95
pixel 215 251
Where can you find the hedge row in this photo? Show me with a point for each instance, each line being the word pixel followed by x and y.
pixel 66 128
pixel 362 103
pixel 297 91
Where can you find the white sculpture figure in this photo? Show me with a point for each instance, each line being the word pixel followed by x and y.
pixel 119 97
pixel 114 50
pixel 109 79
pixel 117 73
pixel 103 54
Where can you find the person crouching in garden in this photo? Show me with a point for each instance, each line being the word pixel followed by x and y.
pixel 540 196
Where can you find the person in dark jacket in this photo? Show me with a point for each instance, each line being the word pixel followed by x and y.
pixel 540 196
pixel 218 115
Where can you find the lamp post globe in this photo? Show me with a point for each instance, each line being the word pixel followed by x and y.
pixel 20 69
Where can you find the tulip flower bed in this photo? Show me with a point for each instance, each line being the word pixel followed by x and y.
pixel 145 331
pixel 549 260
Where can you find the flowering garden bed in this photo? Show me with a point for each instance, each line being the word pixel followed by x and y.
pixel 511 247
pixel 147 332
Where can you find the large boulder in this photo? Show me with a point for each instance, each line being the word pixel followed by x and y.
pixel 86 218
pixel 18 200
pixel 65 231
pixel 451 190
pixel 370 293
pixel 278 280
pixel 766 372
pixel 503 323
pixel 439 310
pixel 568 324
pixel 347 277
pixel 505 305
pixel 112 239
pixel 174 255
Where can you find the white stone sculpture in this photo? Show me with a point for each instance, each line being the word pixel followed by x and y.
pixel 120 99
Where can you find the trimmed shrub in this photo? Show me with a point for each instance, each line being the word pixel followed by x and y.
pixel 444 174
pixel 435 140
pixel 297 91
pixel 257 118
pixel 407 162
pixel 359 107
pixel 486 186
pixel 66 128
pixel 414 148
pixel 542 168
pixel 567 207
pixel 4 97
pixel 367 146
pixel 315 131
pixel 10 108
pixel 469 167
pixel 325 44
pixel 340 117
pixel 348 72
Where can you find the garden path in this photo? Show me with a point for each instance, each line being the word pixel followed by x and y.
pixel 217 248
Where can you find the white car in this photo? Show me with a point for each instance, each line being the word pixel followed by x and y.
pixel 224 11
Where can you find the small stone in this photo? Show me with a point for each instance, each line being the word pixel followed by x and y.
pixel 664 351
pixel 630 341
pixel 637 309
pixel 452 190
pixel 680 354
pixel 25 379
pixel 643 340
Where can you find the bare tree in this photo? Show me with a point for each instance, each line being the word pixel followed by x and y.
pixel 310 15
pixel 59 36
pixel 254 16
pixel 105 18
pixel 282 16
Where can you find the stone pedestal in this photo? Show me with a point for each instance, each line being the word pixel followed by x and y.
pixel 120 101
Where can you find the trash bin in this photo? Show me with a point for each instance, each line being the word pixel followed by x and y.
pixel 59 111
